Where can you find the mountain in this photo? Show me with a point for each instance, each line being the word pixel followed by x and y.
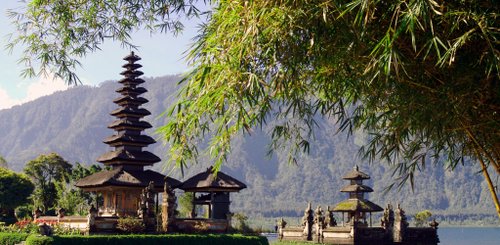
pixel 74 122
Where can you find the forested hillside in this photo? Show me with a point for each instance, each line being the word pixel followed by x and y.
pixel 73 123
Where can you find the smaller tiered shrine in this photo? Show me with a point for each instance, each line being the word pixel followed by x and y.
pixel 356 206
pixel 321 228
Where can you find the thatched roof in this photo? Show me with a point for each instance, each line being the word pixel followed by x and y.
pixel 126 123
pixel 352 205
pixel 356 188
pixel 131 112
pixel 208 181
pixel 355 174
pixel 125 178
pixel 129 157
pixel 130 139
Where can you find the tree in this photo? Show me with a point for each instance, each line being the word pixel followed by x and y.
pixel 45 171
pixel 14 191
pixel 421 76
pixel 75 200
pixel 3 163
pixel 186 204
pixel 422 217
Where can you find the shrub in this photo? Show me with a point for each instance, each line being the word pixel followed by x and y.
pixel 12 238
pixel 39 240
pixel 179 239
pixel 130 225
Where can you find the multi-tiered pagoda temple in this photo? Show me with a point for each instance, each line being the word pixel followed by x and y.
pixel 122 186
pixel 357 206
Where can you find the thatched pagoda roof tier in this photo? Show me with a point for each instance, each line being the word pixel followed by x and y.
pixel 357 205
pixel 356 188
pixel 126 139
pixel 129 100
pixel 355 174
pixel 208 182
pixel 126 178
pixel 131 81
pixel 128 157
pixel 131 91
pixel 131 73
pixel 129 124
pixel 132 66
pixel 130 112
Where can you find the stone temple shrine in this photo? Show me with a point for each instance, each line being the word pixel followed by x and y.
pixel 322 227
pixel 122 187
pixel 127 189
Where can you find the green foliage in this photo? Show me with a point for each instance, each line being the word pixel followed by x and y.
pixel 14 191
pixel 3 163
pixel 45 171
pixel 25 226
pixel 39 240
pixel 185 204
pixel 240 222
pixel 422 217
pixel 130 225
pixel 24 211
pixel 398 70
pixel 72 199
pixel 91 23
pixel 8 238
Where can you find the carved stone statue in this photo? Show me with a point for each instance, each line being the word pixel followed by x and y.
pixel 400 224
pixel 61 212
pixel 319 220
pixel 307 221
pixel 141 212
pixel 91 218
pixel 150 199
pixel 37 213
pixel 330 219
pixel 45 230
pixel 281 225
pixel 434 224
pixel 168 207
pixel 387 221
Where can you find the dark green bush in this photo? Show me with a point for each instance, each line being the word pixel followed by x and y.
pixel 180 239
pixel 130 225
pixel 39 240
pixel 7 238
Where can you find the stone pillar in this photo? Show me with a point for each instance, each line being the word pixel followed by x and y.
pixel 61 212
pixel 149 217
pixel 281 226
pixel 91 219
pixel 168 207
pixel 319 220
pixel 307 222
pixel 37 213
pixel 400 225
pixel 330 219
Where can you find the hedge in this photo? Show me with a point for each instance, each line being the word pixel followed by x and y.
pixel 180 239
pixel 7 238
pixel 39 240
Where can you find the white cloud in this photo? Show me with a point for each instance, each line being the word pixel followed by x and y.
pixel 6 101
pixel 45 85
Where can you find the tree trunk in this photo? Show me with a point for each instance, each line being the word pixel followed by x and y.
pixel 493 193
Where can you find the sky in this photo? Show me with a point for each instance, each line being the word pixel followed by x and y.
pixel 162 54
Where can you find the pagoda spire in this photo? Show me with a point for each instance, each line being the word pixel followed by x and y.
pixel 128 139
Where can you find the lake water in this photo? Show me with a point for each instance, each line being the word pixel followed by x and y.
pixel 461 236
pixel 469 236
